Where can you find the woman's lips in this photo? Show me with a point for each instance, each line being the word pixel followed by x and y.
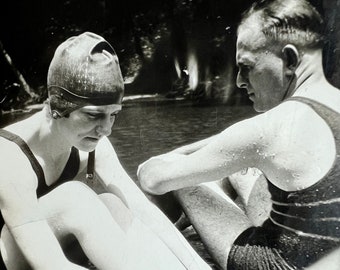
pixel 92 139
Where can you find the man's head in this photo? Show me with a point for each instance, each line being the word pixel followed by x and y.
pixel 271 38
pixel 84 71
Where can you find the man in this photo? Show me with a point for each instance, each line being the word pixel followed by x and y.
pixel 295 143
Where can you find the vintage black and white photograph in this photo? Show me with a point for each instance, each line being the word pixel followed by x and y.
pixel 170 135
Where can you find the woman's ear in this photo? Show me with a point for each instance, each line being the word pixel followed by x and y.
pixel 292 58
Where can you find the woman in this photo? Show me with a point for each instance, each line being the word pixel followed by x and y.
pixel 44 210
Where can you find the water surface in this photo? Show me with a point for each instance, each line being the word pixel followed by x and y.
pixel 144 130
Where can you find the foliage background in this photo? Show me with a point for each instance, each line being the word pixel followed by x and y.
pixel 148 36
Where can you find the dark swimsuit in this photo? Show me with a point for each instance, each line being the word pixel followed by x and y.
pixel 70 171
pixel 303 225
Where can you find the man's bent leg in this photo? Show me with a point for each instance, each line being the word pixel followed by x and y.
pixel 216 218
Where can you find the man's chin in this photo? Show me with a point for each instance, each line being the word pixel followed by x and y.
pixel 258 108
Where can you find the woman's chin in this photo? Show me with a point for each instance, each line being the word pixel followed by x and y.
pixel 88 145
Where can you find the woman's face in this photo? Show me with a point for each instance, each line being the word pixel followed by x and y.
pixel 86 126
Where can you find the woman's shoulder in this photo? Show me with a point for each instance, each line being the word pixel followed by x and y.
pixel 26 129
pixel 16 169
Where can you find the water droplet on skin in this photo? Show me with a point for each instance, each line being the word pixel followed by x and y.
pixel 255 173
pixel 296 175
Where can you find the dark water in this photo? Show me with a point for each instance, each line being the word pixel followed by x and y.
pixel 142 131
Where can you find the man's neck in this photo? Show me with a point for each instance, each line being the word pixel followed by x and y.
pixel 309 73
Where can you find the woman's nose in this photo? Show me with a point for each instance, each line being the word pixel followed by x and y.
pixel 105 126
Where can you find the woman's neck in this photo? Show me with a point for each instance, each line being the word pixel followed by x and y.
pixel 50 140
pixel 43 139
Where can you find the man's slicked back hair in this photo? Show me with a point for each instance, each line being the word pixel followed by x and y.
pixel 288 21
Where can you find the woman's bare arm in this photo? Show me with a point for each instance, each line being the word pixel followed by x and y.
pixel 20 210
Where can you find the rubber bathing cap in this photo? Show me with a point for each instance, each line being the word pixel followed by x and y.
pixel 84 71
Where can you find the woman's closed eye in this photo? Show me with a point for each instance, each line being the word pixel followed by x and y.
pixel 94 115
pixel 115 114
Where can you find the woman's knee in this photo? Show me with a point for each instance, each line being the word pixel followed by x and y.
pixel 70 205
pixel 119 211
pixel 10 252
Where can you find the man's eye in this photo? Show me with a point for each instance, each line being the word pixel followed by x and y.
pixel 244 68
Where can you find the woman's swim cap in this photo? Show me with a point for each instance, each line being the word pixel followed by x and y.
pixel 84 71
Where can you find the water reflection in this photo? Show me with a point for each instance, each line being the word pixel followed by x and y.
pixel 143 131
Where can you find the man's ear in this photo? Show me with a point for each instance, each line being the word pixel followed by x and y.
pixel 291 57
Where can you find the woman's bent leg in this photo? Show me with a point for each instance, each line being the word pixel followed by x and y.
pixel 145 248
pixel 10 252
pixel 74 209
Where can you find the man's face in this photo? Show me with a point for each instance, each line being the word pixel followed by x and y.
pixel 261 68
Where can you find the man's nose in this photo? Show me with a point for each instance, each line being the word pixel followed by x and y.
pixel 241 82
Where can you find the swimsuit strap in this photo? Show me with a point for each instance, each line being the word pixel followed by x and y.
pixel 70 171
pixel 27 151
pixel 90 165
pixel 329 115
pixel 313 103
pixel 72 166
